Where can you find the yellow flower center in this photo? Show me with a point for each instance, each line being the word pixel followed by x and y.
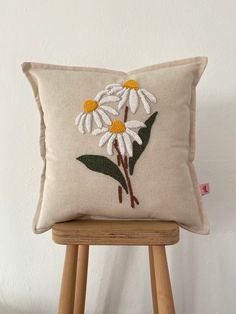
pixel 131 84
pixel 117 126
pixel 90 105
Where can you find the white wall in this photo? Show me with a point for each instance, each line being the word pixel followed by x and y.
pixel 121 35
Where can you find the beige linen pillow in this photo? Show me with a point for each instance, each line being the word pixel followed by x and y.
pixel 118 145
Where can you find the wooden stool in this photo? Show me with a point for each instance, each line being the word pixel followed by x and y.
pixel 78 235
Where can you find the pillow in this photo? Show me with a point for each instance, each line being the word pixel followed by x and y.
pixel 118 145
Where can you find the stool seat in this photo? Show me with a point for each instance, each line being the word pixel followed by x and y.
pixel 116 232
pixel 78 235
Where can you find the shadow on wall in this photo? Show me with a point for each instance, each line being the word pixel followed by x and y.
pixel 6 309
pixel 33 308
pixel 195 262
pixel 216 152
pixel 119 278
pixel 115 268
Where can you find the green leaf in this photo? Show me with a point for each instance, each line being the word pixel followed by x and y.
pixel 144 134
pixel 104 165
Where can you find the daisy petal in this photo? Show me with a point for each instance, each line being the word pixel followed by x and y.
pixel 128 144
pixel 99 95
pixel 78 118
pixel 88 122
pixel 81 123
pixel 108 99
pixel 123 99
pixel 121 91
pixel 114 90
pixel 134 135
pixel 133 100
pixel 135 124
pixel 104 116
pixel 109 109
pixel 110 144
pixel 112 85
pixel 104 139
pixel 121 144
pixel 144 101
pixel 97 119
pixel 150 96
pixel 99 131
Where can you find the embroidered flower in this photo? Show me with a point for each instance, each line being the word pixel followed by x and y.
pixel 131 93
pixel 117 134
pixel 120 131
pixel 96 109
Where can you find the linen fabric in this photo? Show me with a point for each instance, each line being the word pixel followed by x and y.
pixel 150 146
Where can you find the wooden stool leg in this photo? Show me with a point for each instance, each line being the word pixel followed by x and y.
pixel 162 279
pixel 66 303
pixel 81 279
pixel 153 281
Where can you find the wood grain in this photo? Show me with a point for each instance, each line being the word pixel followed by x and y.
pixel 66 303
pixel 163 290
pixel 81 279
pixel 153 281
pixel 116 232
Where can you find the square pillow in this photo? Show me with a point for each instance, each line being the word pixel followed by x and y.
pixel 118 145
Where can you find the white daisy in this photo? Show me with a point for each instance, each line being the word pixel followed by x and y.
pixel 96 109
pixel 131 93
pixel 120 131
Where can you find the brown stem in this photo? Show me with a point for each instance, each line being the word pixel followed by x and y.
pixel 126 113
pixel 120 193
pixel 133 199
pixel 126 161
pixel 136 200
pixel 118 160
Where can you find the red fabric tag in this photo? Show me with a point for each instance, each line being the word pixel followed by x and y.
pixel 204 188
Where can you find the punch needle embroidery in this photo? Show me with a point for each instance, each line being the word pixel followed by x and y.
pixel 131 93
pixel 127 138
pixel 120 131
pixel 95 109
